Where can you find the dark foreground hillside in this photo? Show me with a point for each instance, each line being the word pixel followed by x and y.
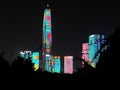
pixel 20 74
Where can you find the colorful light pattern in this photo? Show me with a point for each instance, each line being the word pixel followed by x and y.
pixel 85 52
pixel 25 54
pixel 47 40
pixel 90 51
pixel 56 64
pixel 68 64
pixel 35 60
pixel 95 43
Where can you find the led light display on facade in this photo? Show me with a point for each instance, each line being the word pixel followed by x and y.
pixel 25 54
pixel 56 64
pixel 35 60
pixel 68 64
pixel 47 63
pixel 85 52
pixel 95 43
pixel 47 39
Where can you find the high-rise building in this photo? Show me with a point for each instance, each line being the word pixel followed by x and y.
pixel 68 64
pixel 85 53
pixel 95 43
pixel 35 60
pixel 56 65
pixel 48 63
pixel 47 39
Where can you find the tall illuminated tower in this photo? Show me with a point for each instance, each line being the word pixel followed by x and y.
pixel 46 38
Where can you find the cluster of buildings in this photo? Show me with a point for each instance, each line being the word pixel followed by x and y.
pixel 46 60
pixel 91 50
pixel 51 63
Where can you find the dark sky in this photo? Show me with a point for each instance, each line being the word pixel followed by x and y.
pixel 72 20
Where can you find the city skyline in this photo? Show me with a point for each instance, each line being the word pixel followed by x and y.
pixel 72 23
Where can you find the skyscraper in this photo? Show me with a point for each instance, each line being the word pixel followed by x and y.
pixel 95 43
pixel 46 38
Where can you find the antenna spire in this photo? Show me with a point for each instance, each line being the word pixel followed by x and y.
pixel 48 5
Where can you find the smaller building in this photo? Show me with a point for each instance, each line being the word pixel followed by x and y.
pixel 48 62
pixel 56 65
pixel 35 60
pixel 85 53
pixel 26 54
pixel 68 64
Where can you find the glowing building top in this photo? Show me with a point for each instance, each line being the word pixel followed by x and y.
pixel 48 5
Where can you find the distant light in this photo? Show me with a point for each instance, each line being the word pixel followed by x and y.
pixel 47 55
pixel 47 5
pixel 58 56
pixel 55 56
pixel 21 52
pixel 92 35
pixel 68 56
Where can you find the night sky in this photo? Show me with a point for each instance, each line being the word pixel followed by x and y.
pixel 72 22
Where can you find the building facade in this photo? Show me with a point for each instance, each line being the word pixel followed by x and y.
pixel 35 60
pixel 46 39
pixel 26 54
pixel 95 43
pixel 56 65
pixel 68 64
pixel 85 52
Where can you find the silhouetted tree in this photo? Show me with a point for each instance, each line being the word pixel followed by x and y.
pixel 22 71
pixel 4 71
pixel 108 66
